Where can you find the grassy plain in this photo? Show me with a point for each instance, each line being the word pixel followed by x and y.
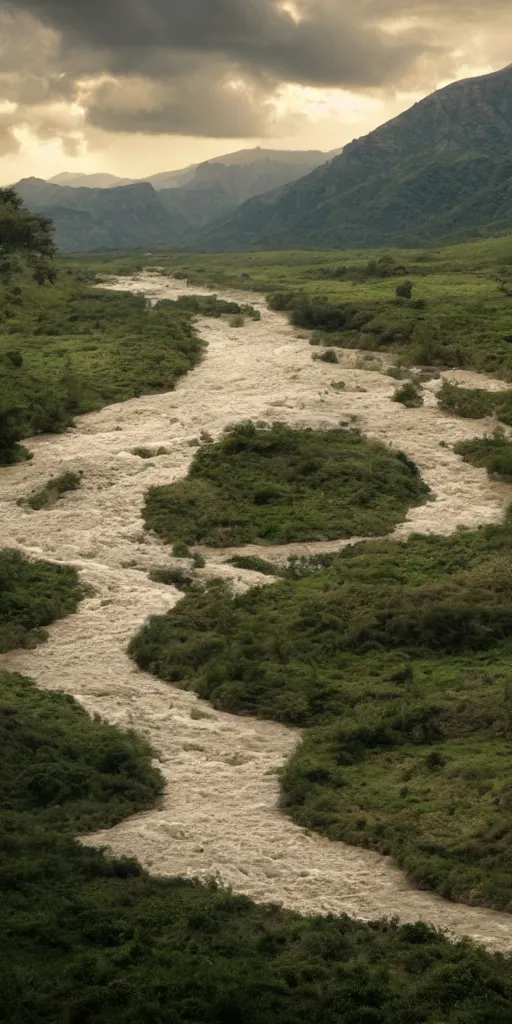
pixel 279 485
pixel 397 660
pixel 460 313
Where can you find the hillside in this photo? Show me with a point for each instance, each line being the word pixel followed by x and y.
pixel 442 169
pixel 218 187
pixel 99 180
pixel 88 219
pixel 162 211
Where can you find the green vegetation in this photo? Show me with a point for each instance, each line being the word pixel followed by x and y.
pixel 409 395
pixel 459 316
pixel 495 453
pixel 49 495
pixel 439 171
pixel 255 564
pixel 149 453
pixel 178 578
pixel 32 595
pixel 475 403
pixel 397 660
pixel 85 937
pixel 69 348
pixel 211 305
pixel 278 485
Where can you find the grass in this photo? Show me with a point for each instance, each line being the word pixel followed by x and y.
pixel 396 659
pixel 49 495
pixel 458 315
pixel 278 485
pixel 85 937
pixel 32 595
pixel 475 403
pixel 70 348
pixel 494 453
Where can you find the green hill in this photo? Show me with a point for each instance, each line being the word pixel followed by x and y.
pixel 443 169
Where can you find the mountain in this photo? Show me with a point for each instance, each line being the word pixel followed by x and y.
pixel 137 215
pixel 89 180
pixel 220 185
pixel 441 170
pixel 88 219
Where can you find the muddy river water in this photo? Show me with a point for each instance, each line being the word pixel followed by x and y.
pixel 219 815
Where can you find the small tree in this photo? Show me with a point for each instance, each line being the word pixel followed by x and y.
pixel 404 290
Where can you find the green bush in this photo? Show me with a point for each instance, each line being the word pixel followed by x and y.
pixel 396 659
pixel 409 395
pixel 329 356
pixel 475 403
pixel 278 485
pixel 495 453
pixel 32 595
pixel 49 495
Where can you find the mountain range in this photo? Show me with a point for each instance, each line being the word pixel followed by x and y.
pixel 440 171
pixel 100 211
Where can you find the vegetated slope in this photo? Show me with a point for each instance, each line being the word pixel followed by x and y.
pixel 87 937
pixel 71 348
pixel 88 219
pixel 32 595
pixel 279 485
pixel 442 169
pixel 397 661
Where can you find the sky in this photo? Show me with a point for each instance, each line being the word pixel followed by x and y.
pixel 134 87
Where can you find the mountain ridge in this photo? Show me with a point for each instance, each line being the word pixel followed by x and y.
pixel 402 184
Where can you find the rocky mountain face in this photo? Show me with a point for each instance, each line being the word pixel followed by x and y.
pixel 441 170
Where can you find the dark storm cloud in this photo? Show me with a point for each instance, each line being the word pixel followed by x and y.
pixel 169 66
pixel 331 45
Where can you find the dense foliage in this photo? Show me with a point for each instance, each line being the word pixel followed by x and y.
pixel 72 348
pixel 85 938
pixel 211 305
pixel 475 403
pixel 278 484
pixel 397 659
pixel 25 239
pixel 495 453
pixel 32 595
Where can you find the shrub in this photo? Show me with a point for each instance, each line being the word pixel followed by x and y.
pixel 409 395
pixel 404 290
pixel 49 495
pixel 329 356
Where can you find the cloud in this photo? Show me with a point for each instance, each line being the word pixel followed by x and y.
pixel 216 68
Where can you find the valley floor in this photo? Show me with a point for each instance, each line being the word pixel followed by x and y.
pixel 219 815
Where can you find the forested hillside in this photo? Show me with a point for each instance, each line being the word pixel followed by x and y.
pixel 441 170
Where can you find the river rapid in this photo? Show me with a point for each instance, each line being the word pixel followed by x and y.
pixel 219 815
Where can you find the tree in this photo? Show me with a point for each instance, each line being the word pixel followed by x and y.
pixel 24 238
pixel 404 290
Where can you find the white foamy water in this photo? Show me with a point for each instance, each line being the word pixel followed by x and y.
pixel 219 815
